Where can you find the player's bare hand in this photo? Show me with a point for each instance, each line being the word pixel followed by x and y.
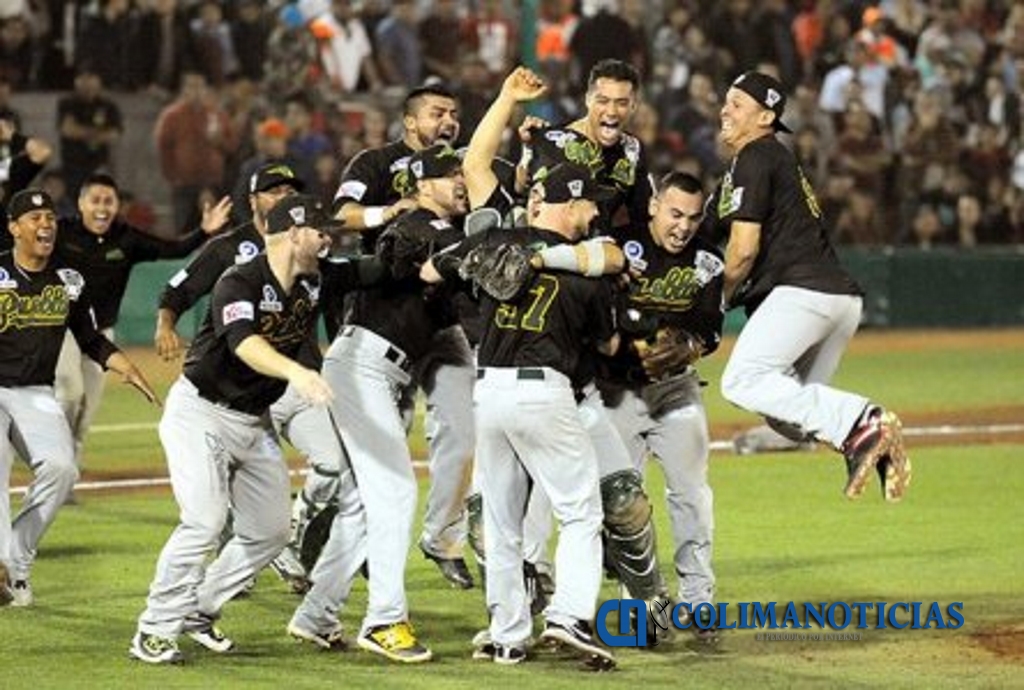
pixel 523 84
pixel 134 377
pixel 312 386
pixel 526 127
pixel 215 216
pixel 403 205
pixel 169 344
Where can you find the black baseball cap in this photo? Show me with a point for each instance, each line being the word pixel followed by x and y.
pixel 28 200
pixel 299 210
pixel 271 175
pixel 439 160
pixel 567 182
pixel 768 92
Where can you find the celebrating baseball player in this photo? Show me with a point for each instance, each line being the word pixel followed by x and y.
pixel 529 428
pixel 105 249
pixel 803 307
pixel 671 316
pixel 389 330
pixel 218 438
pixel 295 419
pixel 371 195
pixel 40 299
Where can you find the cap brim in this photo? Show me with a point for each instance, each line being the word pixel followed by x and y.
pixel 780 126
pixel 293 182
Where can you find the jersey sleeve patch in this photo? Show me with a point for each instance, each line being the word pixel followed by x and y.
pixel 351 189
pixel 178 278
pixel 237 311
pixel 73 281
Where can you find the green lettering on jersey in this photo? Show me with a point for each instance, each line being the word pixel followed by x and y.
pixel 624 172
pixel 584 152
pixel 812 201
pixel 534 314
pixel 674 291
pixel 48 308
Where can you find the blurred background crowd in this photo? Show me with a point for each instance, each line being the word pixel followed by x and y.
pixel 906 113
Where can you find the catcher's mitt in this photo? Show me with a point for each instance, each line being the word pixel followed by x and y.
pixel 502 272
pixel 670 352
pixel 403 248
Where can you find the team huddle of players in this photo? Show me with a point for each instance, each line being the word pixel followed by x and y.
pixel 547 386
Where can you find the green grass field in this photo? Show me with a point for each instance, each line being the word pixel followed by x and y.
pixel 783 532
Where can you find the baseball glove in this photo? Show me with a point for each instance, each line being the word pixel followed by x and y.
pixel 669 353
pixel 502 272
pixel 403 248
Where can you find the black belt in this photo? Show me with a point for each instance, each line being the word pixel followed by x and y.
pixel 522 373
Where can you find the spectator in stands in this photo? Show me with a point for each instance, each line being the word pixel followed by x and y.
pixel 305 141
pixel 7 109
pixel 21 159
pixel 492 34
pixel 861 73
pixel 599 36
pixel 908 18
pixel 293 55
pixel 474 92
pixel 813 156
pixel 860 221
pixel 440 31
pixel 672 63
pixel 250 30
pixel 194 137
pixel 90 125
pixel 16 52
pixel 985 154
pixel 930 148
pixel 162 48
pixel 740 42
pixel 398 46
pixel 927 229
pixel 774 22
pixel 213 44
pixel 346 53
pixel 860 151
pixel 832 51
pixel 697 120
pixel 104 44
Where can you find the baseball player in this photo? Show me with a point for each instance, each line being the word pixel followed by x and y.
pixel 390 330
pixel 671 315
pixel 628 527
pixel 105 249
pixel 369 197
pixel 42 299
pixel 529 427
pixel 802 305
pixel 295 419
pixel 218 438
pixel 599 142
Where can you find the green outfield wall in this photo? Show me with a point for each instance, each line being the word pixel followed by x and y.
pixel 906 288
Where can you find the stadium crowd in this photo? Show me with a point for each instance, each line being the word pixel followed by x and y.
pixel 906 113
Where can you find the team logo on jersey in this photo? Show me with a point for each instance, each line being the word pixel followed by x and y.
pixel 730 198
pixel 115 254
pixel 6 283
pixel 270 301
pixel 674 291
pixel 352 189
pixel 73 281
pixel 634 252
pixel 247 251
pixel 237 311
pixel 48 308
pixel 707 266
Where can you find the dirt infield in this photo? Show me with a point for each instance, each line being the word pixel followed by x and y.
pixel 1004 641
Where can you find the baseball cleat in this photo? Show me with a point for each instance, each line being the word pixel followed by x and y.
pixel 154 649
pixel 508 655
pixel 333 640
pixel 483 646
pixel 21 593
pixel 200 628
pixel 579 636
pixel 453 569
pixel 6 595
pixel 894 469
pixel 867 444
pixel 396 641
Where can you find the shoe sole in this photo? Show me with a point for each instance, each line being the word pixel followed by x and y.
pixel 374 648
pixel 887 427
pixel 898 472
pixel 301 635
pixel 556 637
pixel 211 645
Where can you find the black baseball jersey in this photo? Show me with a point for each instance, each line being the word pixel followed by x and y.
pixel 552 323
pixel 248 300
pixel 107 260
pixel 402 309
pixel 765 184
pixel 622 166
pixel 680 290
pixel 35 311
pixel 375 177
